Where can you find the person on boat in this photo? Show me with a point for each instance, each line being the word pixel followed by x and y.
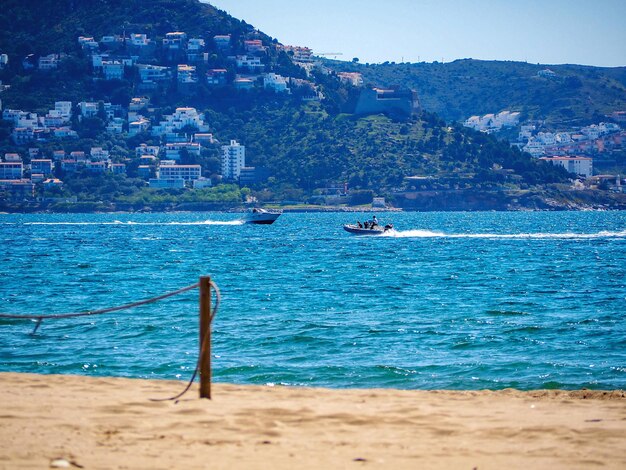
pixel 367 224
pixel 359 224
pixel 374 222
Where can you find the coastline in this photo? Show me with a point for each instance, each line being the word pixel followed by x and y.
pixel 412 201
pixel 107 422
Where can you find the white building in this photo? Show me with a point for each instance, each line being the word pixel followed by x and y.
pixel 299 54
pixel 609 127
pixel 115 126
pixel 507 118
pixel 139 40
pixel 22 135
pixel 88 43
pixel 151 74
pixel 140 125
pixel 186 74
pixel 180 172
pixel 195 44
pixel 118 168
pixel 49 62
pixel 353 78
pixel 254 46
pixel 113 69
pixel 112 41
pixel 241 83
pixel 546 138
pixel 195 49
pixel 64 108
pixel 233 160
pixel 11 170
pixel 52 119
pixel 175 40
pixel 88 108
pixel 546 73
pixel 173 151
pixel 276 82
pixel 222 41
pixel 248 62
pixel 591 132
pixel 563 137
pixel 493 122
pixel 99 154
pixel 29 120
pixel 526 132
pixel 138 103
pixel 204 139
pixel 12 157
pixel 65 132
pixel 534 147
pixel 144 149
pixel 41 166
pixel 582 166
pixel 183 117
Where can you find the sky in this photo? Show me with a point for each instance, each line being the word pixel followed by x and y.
pixel 587 32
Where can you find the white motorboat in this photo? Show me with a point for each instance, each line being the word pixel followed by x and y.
pixel 261 216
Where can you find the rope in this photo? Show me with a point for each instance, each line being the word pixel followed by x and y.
pixel 218 299
pixel 40 318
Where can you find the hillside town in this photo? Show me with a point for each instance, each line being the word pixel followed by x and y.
pixel 574 150
pixel 179 62
pixel 173 143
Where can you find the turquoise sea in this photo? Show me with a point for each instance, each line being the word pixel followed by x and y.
pixel 449 301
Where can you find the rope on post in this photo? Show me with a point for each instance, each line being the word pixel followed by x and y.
pixel 204 346
pixel 207 314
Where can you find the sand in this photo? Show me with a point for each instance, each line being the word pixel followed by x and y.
pixel 110 423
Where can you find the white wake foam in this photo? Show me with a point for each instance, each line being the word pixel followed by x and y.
pixel 539 235
pixel 119 222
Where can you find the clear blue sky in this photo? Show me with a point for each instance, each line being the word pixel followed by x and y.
pixel 589 32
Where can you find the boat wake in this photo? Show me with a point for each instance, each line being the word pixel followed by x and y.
pixel 119 222
pixel 526 236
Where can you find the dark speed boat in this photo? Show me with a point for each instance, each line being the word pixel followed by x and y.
pixel 360 230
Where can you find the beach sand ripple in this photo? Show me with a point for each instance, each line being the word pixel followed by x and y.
pixel 110 423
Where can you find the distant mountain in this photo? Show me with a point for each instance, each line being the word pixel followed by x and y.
pixel 573 94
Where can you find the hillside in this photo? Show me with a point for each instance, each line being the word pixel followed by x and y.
pixel 577 95
pixel 46 26
pixel 308 145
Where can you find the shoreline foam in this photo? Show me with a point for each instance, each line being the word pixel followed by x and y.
pixel 109 422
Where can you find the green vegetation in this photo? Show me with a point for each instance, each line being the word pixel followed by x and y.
pixel 46 26
pixel 309 149
pixel 577 95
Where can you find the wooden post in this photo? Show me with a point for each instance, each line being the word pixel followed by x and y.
pixel 205 331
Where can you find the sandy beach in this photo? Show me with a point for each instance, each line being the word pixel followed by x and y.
pixel 105 423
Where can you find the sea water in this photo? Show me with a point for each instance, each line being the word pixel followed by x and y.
pixel 447 301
